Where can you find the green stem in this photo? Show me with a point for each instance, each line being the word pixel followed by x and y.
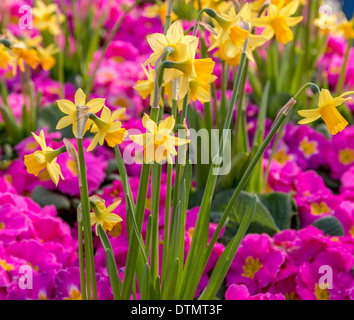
pixel 155 201
pixel 168 15
pixel 166 235
pixel 90 264
pixel 81 258
pixel 344 68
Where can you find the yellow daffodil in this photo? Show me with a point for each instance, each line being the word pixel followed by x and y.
pixel 48 17
pixel 159 141
pixel 175 39
pixel 5 57
pixel 226 23
pixel 199 88
pixel 108 128
pixel 278 22
pixel 102 215
pixel 346 28
pixel 44 159
pixel 327 111
pixel 325 22
pixel 22 54
pixel 188 68
pixel 231 53
pixel 159 9
pixel 146 87
pixel 46 58
pixel 69 108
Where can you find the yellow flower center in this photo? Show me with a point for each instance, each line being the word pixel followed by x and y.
pixel 72 166
pixel 148 204
pixel 251 267
pixel 309 148
pixel 31 146
pixel 318 209
pixel 121 102
pixel 321 294
pixel 2 226
pixel 346 156
pixel 351 231
pixel 74 295
pixel 5 266
pixel 281 157
pixel 291 296
pixel 42 296
pixel 190 233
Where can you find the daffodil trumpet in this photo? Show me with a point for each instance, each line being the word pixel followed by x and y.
pixel 44 159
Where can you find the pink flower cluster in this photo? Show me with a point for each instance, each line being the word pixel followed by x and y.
pixel 293 265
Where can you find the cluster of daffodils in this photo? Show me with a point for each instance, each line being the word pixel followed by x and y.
pixel 159 143
pixel 15 52
pixel 193 76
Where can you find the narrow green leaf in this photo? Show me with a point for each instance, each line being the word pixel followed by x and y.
pixel 226 258
pixel 169 284
pixel 116 283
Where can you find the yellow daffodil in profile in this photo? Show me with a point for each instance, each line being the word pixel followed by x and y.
pixel 188 67
pixel 22 54
pixel 199 88
pixel 327 111
pixel 108 128
pixel 48 17
pixel 278 22
pixel 46 58
pixel 146 87
pixel 346 28
pixel 44 159
pixel 159 141
pixel 69 108
pixel 102 215
pixel 227 23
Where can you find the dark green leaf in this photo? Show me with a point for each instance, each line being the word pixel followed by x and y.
pixel 46 197
pixel 262 221
pixel 329 225
pixel 281 206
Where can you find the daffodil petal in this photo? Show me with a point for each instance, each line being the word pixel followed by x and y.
pixel 96 104
pixel 80 97
pixel 113 206
pixel 64 122
pixel 309 119
pixel 66 106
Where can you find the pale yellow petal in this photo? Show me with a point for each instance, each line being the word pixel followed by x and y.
pixel 168 123
pixel 66 106
pixel 96 104
pixel 64 122
pixel 80 97
pixel 113 206
pixel 157 42
pixel 289 9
